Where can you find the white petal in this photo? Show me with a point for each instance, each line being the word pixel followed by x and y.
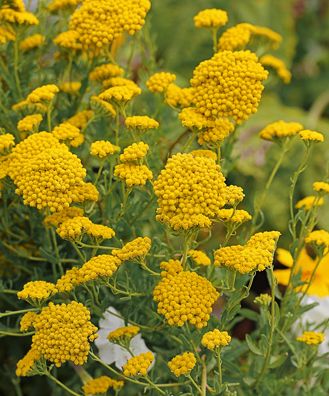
pixel 110 321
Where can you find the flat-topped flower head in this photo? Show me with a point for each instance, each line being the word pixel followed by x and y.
pixel 100 385
pixel 7 34
pixel 37 291
pixel 100 22
pixel 280 129
pixel 45 93
pixel 66 132
pixel 31 42
pixel 170 268
pixel 68 40
pixel 141 123
pixel 120 94
pixel 211 18
pixel 192 119
pixel 101 266
pixel 321 187
pixel 105 71
pixel 215 339
pixel 199 257
pixel 234 215
pixel 134 152
pixel 27 320
pixel 73 228
pixel 182 364
pixel 123 334
pixel 309 202
pixel 272 62
pixel 81 119
pixel 102 106
pixel 185 297
pixel 63 333
pixel 58 5
pixel 133 174
pixel 216 132
pixel 7 142
pixel 256 255
pixel 228 85
pixel 135 249
pixel 55 219
pixel 26 365
pixel 308 136
pixel 103 149
pixel 191 190
pixel 15 17
pixel 70 87
pixel 29 123
pixel 160 81
pixel 176 96
pixel 319 239
pixel 138 365
pixel 311 338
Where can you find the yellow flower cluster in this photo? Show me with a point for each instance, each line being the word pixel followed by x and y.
pixel 134 152
pixel 185 296
pixel 105 71
pixel 56 5
pixel 119 82
pixel 18 17
pixel 37 291
pixel 234 215
pixel 138 365
pixel 238 36
pixel 278 65
pixel 211 18
pixel 321 187
pixel 101 385
pixel 170 268
pixel 68 40
pixel 101 106
pixel 70 87
pixel 103 148
pixel 63 332
pixel 309 202
pixel 30 123
pixel 319 238
pixel 311 338
pixel 27 320
pixel 121 333
pixel 98 25
pixel 264 298
pixel 55 219
pixel 313 136
pixel 215 339
pixel 25 365
pixel 182 364
pixel 68 133
pixel 141 123
pixel 204 153
pixel 47 174
pixel 176 96
pixel 190 190
pixel 136 249
pixel 73 228
pixel 7 141
pixel 199 257
pixel 216 132
pixel 120 94
pixel 133 174
pixel 45 93
pixel 280 129
pixel 191 119
pixel 6 34
pixel 31 42
pixel 229 85
pixel 81 119
pixel 256 255
pixel 160 81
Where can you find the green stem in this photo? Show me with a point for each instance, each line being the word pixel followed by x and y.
pixel 58 382
pixel 153 385
pixel 16 63
pixel 219 366
pixel 311 280
pixel 195 384
pixel 10 313
pixel 15 334
pixel 54 240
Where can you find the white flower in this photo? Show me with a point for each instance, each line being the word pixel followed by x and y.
pixel 315 316
pixel 113 353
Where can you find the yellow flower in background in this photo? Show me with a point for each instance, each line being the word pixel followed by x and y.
pixel 135 249
pixel 6 34
pixel 176 96
pixel 105 71
pixel 18 17
pixel 37 291
pixel 216 132
pixel 278 65
pixel 311 136
pixel 57 5
pixel 81 119
pixel 7 141
pixel 25 365
pixel 138 365
pixel 215 339
pixel 322 187
pixel 199 257
pixel 318 238
pixel 96 386
pixel 160 81
pixel 305 265
pixel 31 42
pixel 134 152
pixel 29 123
pixel 141 123
pixel 182 364
pixel 234 215
pixel 68 40
pixel 123 333
pixel 280 129
pixel 45 93
pixel 191 119
pixel 133 174
pixel 309 202
pixel 101 106
pixel 103 149
pixel 57 218
pixel 70 87
pixel 311 338
pixel 211 18
pixel 120 94
pixel 27 320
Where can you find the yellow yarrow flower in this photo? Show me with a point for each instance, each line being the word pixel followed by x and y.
pixel 18 17
pixel 57 5
pixel 211 18
pixel 66 132
pixel 103 149
pixel 199 257
pixel 120 94
pixel 105 71
pixel 27 320
pixel 123 334
pixel 191 119
pixel 6 34
pixel 309 202
pixel 133 174
pixel 141 123
pixel 7 142
pixel 170 268
pixel 30 123
pixel 318 238
pixel 102 106
pixel 70 87
pixel 45 93
pixel 321 187
pixel 135 249
pixel 101 385
pixel 81 119
pixel 311 136
pixel 159 82
pixel 215 339
pixel 216 132
pixel 311 338
pixel 134 152
pixel 234 215
pixel 31 42
pixel 37 291
pixel 26 364
pixel 182 364
pixel 57 218
pixel 280 129
pixel 278 65
pixel 256 255
pixel 68 40
pixel 138 365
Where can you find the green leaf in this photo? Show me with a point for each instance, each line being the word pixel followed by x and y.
pixel 277 361
pixel 254 349
pixel 249 314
